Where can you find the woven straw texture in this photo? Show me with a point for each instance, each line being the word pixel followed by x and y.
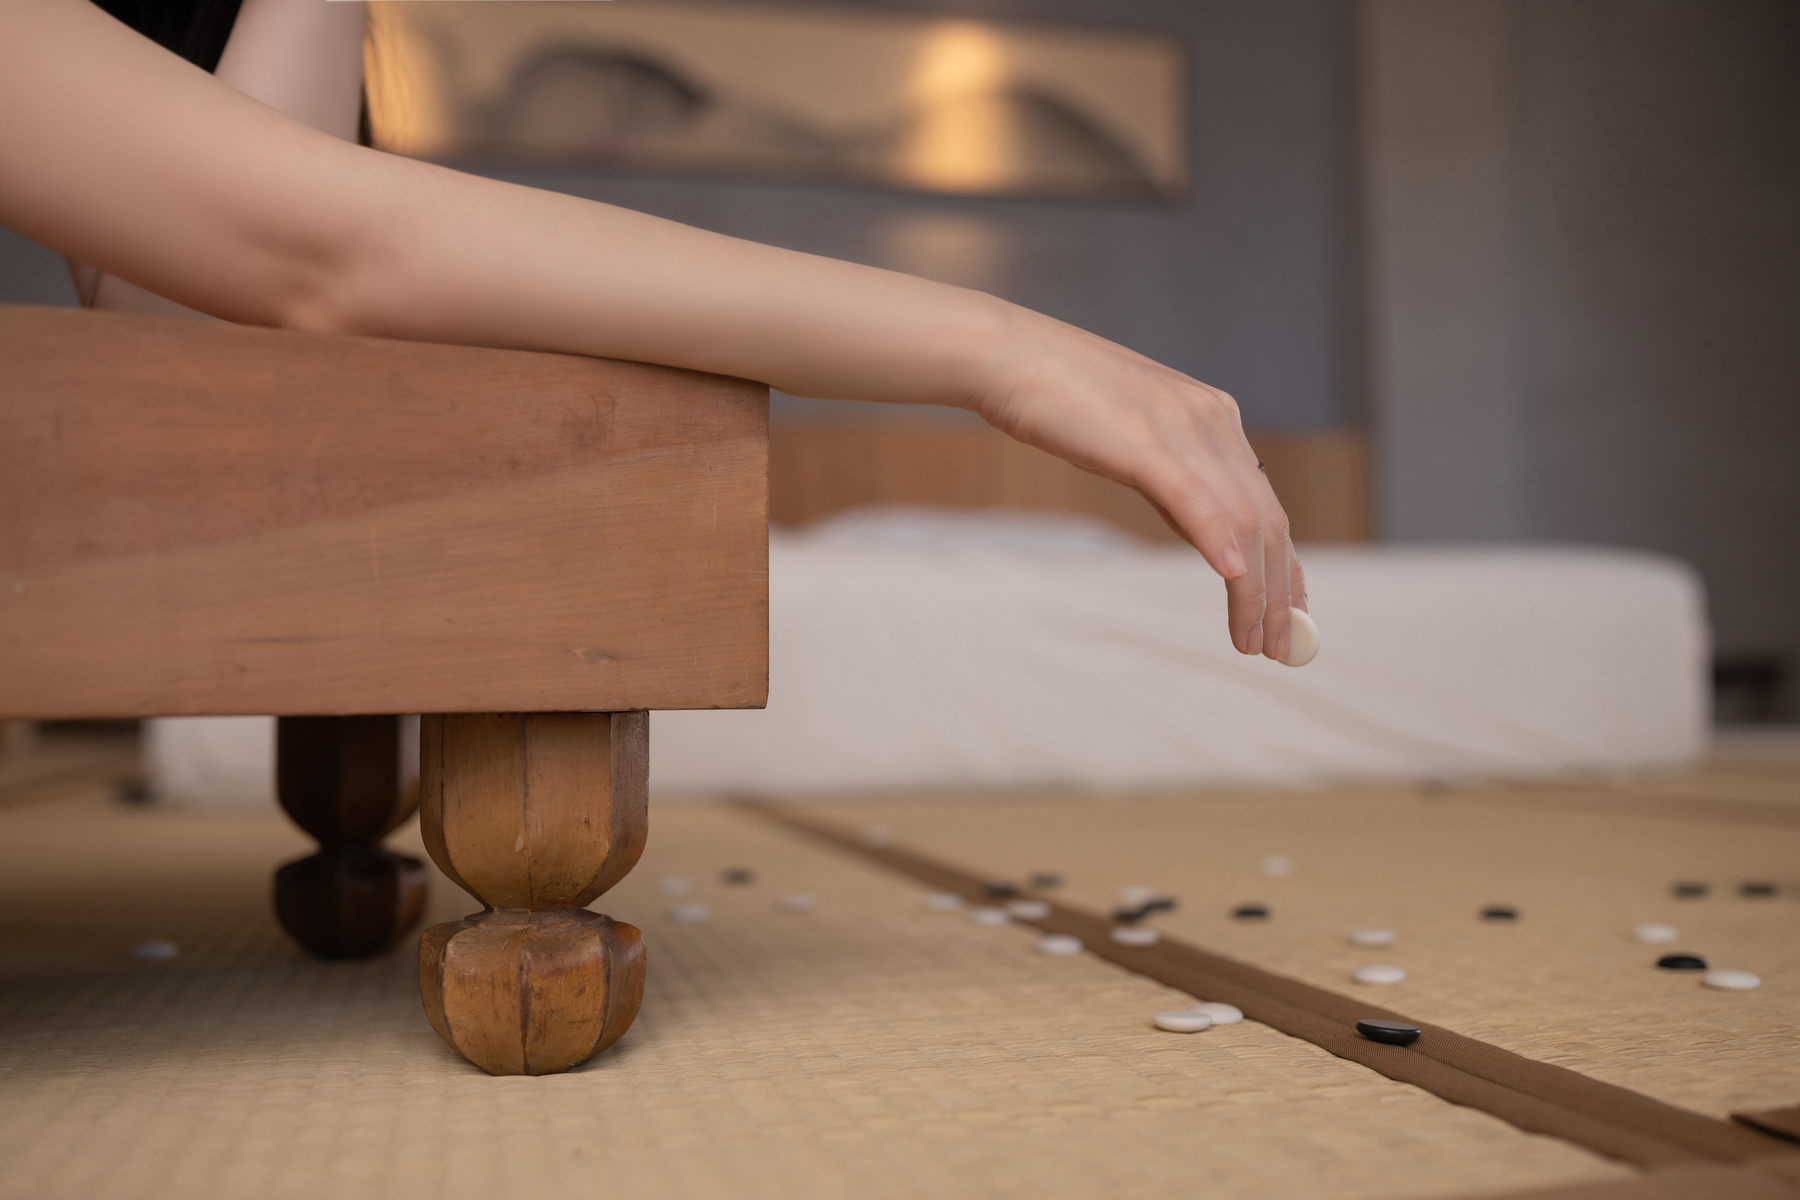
pixel 1565 984
pixel 869 1048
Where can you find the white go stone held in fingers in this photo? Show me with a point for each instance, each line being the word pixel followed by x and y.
pixel 1303 638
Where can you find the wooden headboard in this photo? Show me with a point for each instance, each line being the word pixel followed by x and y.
pixel 819 468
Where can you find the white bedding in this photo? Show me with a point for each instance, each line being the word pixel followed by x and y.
pixel 912 648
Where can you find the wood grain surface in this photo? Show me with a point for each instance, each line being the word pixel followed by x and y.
pixel 534 816
pixel 821 467
pixel 204 518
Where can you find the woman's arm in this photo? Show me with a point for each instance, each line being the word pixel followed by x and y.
pixel 123 156
pixel 303 58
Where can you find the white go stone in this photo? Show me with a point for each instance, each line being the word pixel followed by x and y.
pixel 1655 932
pixel 800 902
pixel 1303 638
pixel 1277 866
pixel 672 885
pixel 1728 980
pixel 1135 935
pixel 1371 937
pixel 1060 943
pixel 155 950
pixel 1028 910
pixel 943 901
pixel 690 912
pixel 1181 1020
pixel 989 916
pixel 1135 894
pixel 1221 1014
pixel 1378 973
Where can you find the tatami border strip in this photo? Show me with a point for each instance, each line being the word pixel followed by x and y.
pixel 1534 1096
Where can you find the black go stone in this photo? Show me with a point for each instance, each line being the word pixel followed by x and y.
pixel 1129 916
pixel 1757 889
pixel 1690 890
pixel 1160 904
pixel 1251 912
pixel 1044 881
pixel 1000 890
pixel 739 876
pixel 1499 912
pixel 1681 962
pixel 1394 1033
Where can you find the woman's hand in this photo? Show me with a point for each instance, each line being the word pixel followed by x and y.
pixel 1176 440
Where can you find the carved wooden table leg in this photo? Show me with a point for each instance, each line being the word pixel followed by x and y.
pixel 534 815
pixel 347 781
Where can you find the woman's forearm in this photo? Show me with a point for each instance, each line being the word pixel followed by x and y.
pixel 304 60
pixel 150 169
pixel 452 257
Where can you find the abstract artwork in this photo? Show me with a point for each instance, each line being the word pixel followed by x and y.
pixel 905 100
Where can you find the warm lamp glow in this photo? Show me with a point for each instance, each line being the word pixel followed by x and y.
pixel 956 142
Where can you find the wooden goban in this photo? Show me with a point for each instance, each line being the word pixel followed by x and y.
pixel 204 518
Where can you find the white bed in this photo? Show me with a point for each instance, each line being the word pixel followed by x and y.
pixel 920 648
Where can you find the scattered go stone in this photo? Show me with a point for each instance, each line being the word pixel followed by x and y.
pixel 155 950
pixel 1136 894
pixel 1371 937
pixel 672 885
pixel 1757 889
pixel 943 901
pixel 999 889
pixel 1728 980
pixel 989 916
pixel 1221 1014
pixel 1045 880
pixel 1655 932
pixel 1378 973
pixel 690 912
pixel 1691 889
pixel 1028 910
pixel 1181 1020
pixel 738 877
pixel 799 902
pixel 1251 912
pixel 1276 866
pixel 1499 912
pixel 1160 904
pixel 1060 943
pixel 877 836
pixel 1394 1033
pixel 1681 962
pixel 1135 935
pixel 1129 916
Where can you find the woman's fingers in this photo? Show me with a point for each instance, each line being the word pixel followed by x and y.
pixel 1278 553
pixel 1246 596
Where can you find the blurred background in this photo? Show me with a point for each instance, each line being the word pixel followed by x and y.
pixel 1486 273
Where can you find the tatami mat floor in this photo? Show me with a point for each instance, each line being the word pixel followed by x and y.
pixel 871 1047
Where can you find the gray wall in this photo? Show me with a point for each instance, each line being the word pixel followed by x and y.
pixel 1584 272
